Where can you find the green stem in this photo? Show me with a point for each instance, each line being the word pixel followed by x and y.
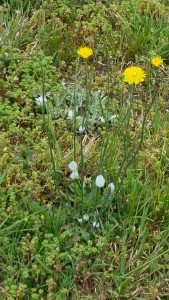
pixel 138 146
pixel 106 137
pixel 74 104
pixel 125 141
pixel 56 179
pixel 126 134
pixel 87 96
pixel 81 135
pixel 82 170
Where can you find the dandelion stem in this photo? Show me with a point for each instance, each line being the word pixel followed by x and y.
pixel 126 134
pixel 56 179
pixel 106 139
pixel 82 169
pixel 87 96
pixel 74 104
pixel 147 109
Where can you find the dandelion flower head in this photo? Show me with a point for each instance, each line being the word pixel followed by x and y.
pixel 39 100
pixel 70 114
pixel 100 181
pixel 86 217
pixel 82 129
pixel 157 61
pixel 95 224
pixel 73 166
pixel 74 175
pixel 85 52
pixel 111 186
pixel 134 75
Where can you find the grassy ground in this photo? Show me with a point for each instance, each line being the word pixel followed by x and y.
pixel 69 239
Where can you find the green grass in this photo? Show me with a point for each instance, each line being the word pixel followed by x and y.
pixel 48 249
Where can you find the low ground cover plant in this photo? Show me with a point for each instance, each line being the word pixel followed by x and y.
pixel 84 150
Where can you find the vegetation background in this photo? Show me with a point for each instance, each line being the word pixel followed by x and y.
pixel 67 239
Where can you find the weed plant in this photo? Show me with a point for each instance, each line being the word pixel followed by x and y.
pixel 84 150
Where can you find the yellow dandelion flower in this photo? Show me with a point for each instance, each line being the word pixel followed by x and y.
pixel 157 61
pixel 134 75
pixel 85 52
